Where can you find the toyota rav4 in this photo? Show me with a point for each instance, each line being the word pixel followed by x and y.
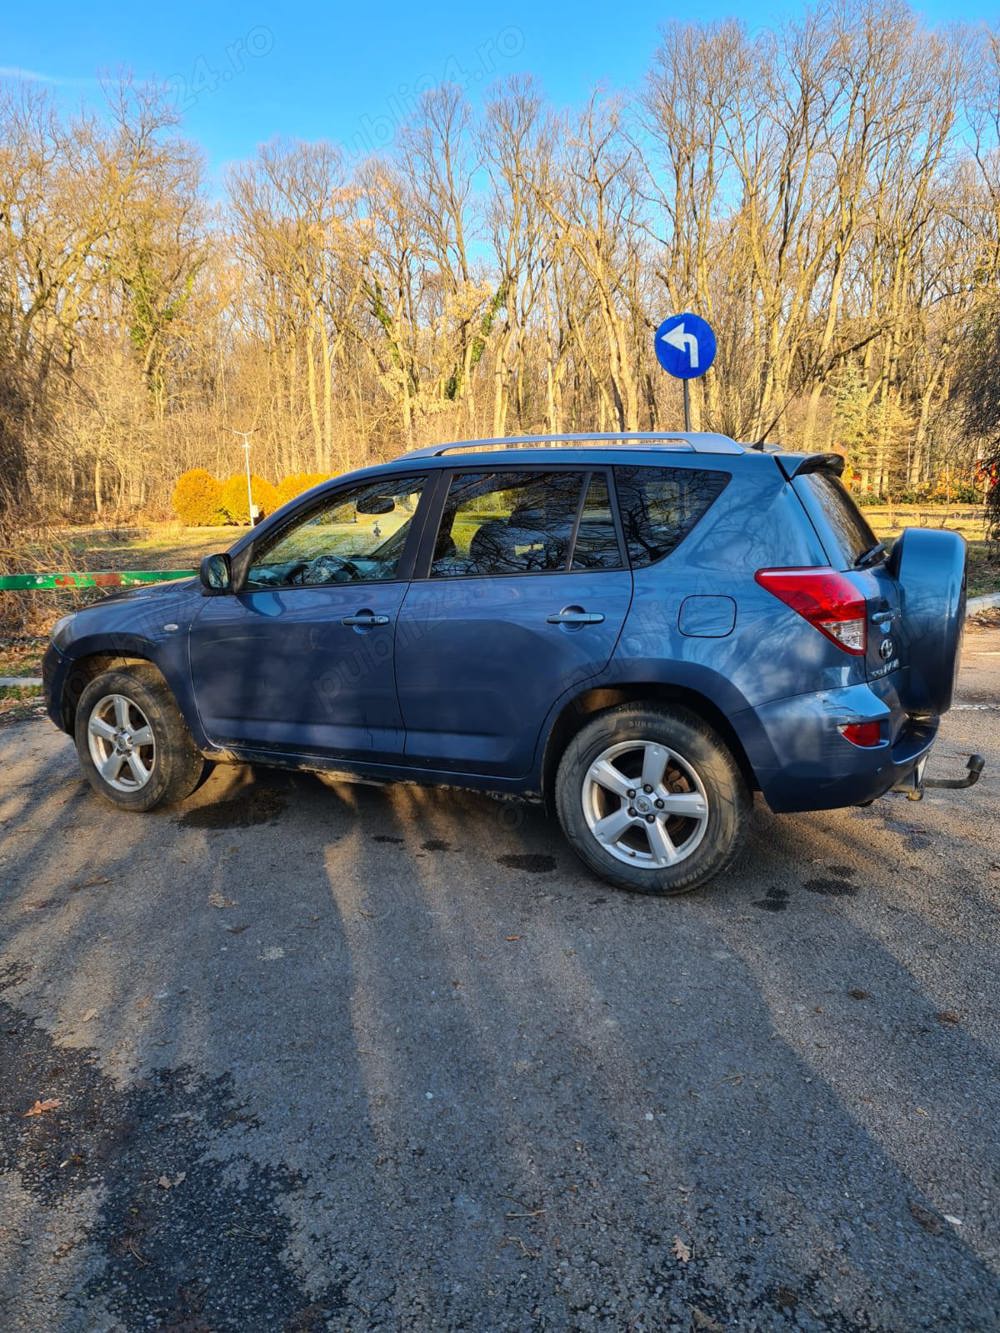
pixel 640 630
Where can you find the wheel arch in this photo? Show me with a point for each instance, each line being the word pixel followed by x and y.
pixel 599 699
pixel 86 668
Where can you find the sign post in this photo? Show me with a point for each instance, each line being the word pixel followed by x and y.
pixel 685 348
pixel 246 453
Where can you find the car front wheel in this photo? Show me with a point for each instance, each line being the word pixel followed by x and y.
pixel 133 743
pixel 652 799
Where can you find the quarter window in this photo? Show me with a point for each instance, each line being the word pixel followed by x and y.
pixel 596 545
pixel 359 536
pixel 507 523
pixel 660 506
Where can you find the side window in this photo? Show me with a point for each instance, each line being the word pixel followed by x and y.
pixel 507 523
pixel 596 544
pixel 660 506
pixel 355 538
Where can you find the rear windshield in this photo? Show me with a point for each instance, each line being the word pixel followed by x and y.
pixel 850 527
pixel 660 506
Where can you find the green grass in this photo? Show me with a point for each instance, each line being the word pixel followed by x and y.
pixel 21 659
pixel 165 546
pixel 984 570
pixel 20 704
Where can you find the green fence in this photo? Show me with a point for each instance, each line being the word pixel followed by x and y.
pixel 109 578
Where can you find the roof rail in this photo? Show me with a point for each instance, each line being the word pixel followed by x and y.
pixel 696 442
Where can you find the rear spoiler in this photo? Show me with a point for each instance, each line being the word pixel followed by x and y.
pixel 797 465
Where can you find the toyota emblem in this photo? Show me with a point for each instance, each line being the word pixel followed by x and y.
pixel 886 649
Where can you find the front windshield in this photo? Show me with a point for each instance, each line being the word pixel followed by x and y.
pixel 357 537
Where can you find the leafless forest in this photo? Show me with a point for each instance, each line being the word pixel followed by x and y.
pixel 826 194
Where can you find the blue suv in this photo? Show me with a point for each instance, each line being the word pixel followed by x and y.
pixel 640 630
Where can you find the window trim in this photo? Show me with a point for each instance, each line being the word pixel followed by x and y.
pixel 301 513
pixel 432 526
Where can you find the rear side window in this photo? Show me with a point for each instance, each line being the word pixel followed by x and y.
pixel 849 526
pixel 507 523
pixel 660 506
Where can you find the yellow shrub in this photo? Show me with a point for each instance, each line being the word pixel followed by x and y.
pixel 197 499
pixel 297 483
pixel 233 500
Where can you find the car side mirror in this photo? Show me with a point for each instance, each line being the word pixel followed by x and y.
pixel 216 573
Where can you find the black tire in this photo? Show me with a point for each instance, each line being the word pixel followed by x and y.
pixel 930 567
pixel 703 753
pixel 175 765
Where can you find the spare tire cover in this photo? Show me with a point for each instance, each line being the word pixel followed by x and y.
pixel 930 568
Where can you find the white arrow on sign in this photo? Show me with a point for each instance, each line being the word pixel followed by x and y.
pixel 676 337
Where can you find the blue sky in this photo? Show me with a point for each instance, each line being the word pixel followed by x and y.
pixel 349 72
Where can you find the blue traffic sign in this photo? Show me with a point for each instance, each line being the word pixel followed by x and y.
pixel 685 346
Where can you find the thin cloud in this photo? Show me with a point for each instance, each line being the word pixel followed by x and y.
pixel 35 76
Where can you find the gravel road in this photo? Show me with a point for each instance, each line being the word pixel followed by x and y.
pixel 332 1057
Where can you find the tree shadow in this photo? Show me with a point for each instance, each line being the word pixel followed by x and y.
pixel 400 1060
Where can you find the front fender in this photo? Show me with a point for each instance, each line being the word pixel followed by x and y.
pixel 153 628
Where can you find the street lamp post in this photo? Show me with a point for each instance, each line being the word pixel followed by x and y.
pixel 245 434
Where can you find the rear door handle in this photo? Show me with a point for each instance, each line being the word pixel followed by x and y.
pixel 575 615
pixel 365 620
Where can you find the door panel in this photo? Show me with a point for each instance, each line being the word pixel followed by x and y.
pixel 278 668
pixel 302 658
pixel 525 598
pixel 479 664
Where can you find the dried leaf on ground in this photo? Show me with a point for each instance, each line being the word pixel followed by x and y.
pixel 928 1220
pixel 165 1182
pixel 89 883
pixel 216 899
pixel 681 1250
pixel 40 1107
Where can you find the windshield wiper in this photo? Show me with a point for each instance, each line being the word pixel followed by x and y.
pixel 871 556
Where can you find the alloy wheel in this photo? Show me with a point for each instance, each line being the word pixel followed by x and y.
pixel 645 804
pixel 121 743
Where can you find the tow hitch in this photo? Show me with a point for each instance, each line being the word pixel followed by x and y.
pixel 913 786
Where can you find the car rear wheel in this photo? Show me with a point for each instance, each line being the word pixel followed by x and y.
pixel 651 799
pixel 133 743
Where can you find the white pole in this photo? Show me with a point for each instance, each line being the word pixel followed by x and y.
pixel 245 435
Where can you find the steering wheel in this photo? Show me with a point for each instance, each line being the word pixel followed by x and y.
pixel 325 568
pixel 294 574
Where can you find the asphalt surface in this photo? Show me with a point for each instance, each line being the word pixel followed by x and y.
pixel 338 1057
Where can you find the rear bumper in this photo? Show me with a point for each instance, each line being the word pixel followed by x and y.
pixel 811 766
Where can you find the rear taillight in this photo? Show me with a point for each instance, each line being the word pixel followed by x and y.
pixel 826 599
pixel 865 734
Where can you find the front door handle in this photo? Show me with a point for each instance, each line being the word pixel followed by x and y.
pixel 365 620
pixel 575 615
